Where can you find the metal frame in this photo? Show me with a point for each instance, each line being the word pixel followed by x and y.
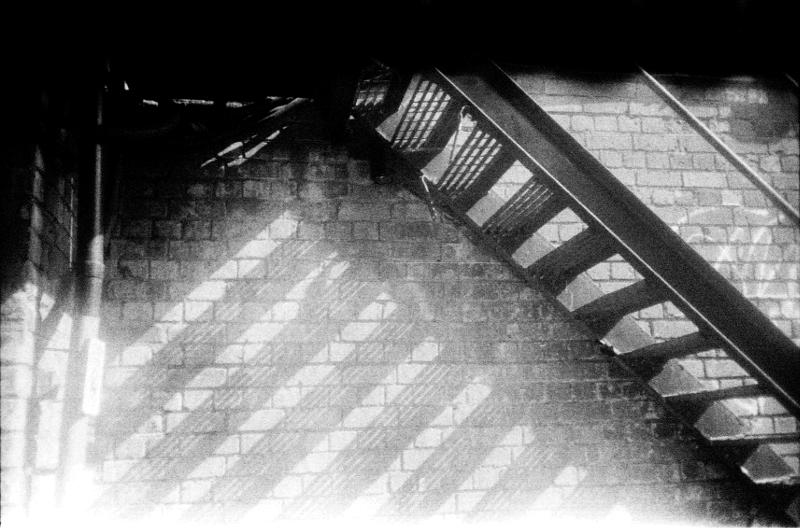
pixel 722 148
pixel 648 244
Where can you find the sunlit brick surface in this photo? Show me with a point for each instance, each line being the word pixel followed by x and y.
pixel 290 340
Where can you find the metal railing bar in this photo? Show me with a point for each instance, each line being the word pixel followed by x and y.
pixel 723 149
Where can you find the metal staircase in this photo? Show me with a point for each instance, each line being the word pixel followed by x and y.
pixel 414 119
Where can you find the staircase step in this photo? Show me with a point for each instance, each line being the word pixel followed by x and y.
pixel 426 109
pixel 531 207
pixel 440 130
pixel 754 440
pixel 674 348
pixel 466 166
pixel 379 94
pixel 559 267
pixel 742 391
pixel 467 195
pixel 602 314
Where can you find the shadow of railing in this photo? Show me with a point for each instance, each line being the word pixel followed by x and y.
pixel 344 394
pixel 454 461
pixel 532 472
pixel 153 384
pixel 376 442
pixel 267 370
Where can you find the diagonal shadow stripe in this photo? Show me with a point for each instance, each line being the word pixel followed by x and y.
pixel 382 442
pixel 350 479
pixel 309 422
pixel 455 460
pixel 267 379
pixel 152 385
pixel 532 472
pixel 444 475
pixel 605 451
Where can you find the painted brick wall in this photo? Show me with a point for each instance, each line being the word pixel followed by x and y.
pixel 38 248
pixel 289 339
pixel 696 192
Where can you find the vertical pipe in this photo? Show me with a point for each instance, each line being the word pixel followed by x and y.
pixel 75 428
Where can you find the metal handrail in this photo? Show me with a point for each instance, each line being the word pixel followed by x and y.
pixel 723 149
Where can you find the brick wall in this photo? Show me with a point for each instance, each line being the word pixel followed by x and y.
pixel 687 183
pixel 696 192
pixel 36 320
pixel 289 339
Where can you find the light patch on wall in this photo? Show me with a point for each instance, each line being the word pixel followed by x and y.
pixel 60 340
pixel 265 331
pixel 174 320
pixel 46 303
pixel 619 516
pixel 320 459
pixel 269 326
pixel 21 303
pixel 81 494
pixel 488 479
pixel 281 313
pixel 240 145
pixel 409 460
pixel 314 373
pixel 368 321
pixel 565 483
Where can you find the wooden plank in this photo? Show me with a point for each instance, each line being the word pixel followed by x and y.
pixel 602 314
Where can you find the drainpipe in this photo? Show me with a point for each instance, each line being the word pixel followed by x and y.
pixel 85 363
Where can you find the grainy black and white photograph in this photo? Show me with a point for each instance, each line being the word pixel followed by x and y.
pixel 406 263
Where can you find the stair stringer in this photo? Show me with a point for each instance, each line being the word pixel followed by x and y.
pixel 764 465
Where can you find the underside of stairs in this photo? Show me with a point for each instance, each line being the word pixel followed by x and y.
pixel 452 134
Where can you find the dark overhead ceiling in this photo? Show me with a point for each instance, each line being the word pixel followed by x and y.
pixel 299 47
